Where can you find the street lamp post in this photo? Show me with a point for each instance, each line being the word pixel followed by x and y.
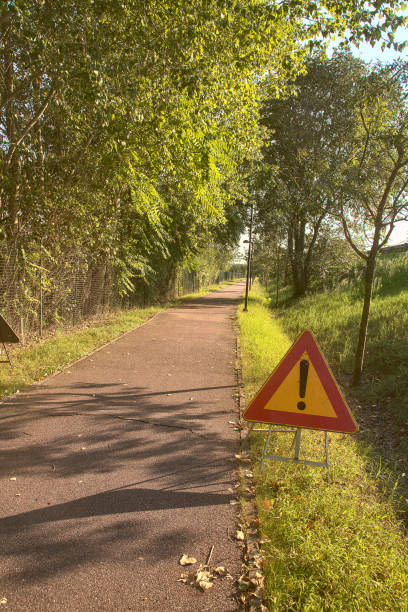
pixel 249 258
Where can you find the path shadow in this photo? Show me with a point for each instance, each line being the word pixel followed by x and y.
pixel 101 432
pixel 117 501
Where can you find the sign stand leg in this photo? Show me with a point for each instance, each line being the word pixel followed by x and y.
pixel 326 441
pixel 264 454
pixel 297 447
pixel 296 442
pixel 253 428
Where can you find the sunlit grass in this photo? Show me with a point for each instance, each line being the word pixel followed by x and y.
pixel 331 547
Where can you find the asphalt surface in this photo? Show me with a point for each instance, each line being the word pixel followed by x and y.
pixel 114 468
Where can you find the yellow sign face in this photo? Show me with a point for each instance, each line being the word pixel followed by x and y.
pixel 286 396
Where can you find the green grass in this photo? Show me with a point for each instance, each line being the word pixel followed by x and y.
pixel 331 547
pixel 34 362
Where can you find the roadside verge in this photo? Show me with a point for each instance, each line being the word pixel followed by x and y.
pixel 337 546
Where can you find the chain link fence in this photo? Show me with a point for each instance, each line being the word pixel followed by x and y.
pixel 41 291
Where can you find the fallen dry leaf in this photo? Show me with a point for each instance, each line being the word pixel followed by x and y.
pixel 204 579
pixel 13 478
pixel 243 583
pixel 205 584
pixel 221 571
pixel 183 578
pixel 186 560
pixel 3 601
pixel 239 535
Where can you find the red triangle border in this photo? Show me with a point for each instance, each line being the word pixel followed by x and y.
pixel 256 412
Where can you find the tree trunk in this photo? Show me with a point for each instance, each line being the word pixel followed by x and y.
pixel 293 263
pixel 11 188
pixel 362 336
pixel 296 248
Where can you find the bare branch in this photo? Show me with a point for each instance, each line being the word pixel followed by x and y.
pixel 30 125
pixel 387 235
pixel 349 238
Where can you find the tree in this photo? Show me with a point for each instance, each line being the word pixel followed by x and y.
pixel 374 188
pixel 305 139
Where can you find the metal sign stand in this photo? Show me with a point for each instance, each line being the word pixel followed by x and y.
pixel 296 442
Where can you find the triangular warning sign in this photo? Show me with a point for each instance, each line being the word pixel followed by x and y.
pixel 302 392
pixel 6 333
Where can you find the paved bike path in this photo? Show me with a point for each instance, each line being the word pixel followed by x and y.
pixel 113 469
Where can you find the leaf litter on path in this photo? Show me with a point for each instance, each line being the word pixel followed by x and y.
pixel 205 575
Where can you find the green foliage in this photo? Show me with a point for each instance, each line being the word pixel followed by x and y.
pixel 306 135
pixel 116 113
pixel 332 261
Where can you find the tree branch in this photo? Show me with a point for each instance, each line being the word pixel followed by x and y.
pixel 349 238
pixel 30 125
pixel 387 235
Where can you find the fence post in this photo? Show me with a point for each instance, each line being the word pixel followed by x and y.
pixel 41 293
pixel 22 329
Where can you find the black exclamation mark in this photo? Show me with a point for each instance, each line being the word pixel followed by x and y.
pixel 304 369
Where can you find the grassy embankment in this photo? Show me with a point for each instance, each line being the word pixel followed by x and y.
pixel 42 358
pixel 338 546
pixel 334 317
